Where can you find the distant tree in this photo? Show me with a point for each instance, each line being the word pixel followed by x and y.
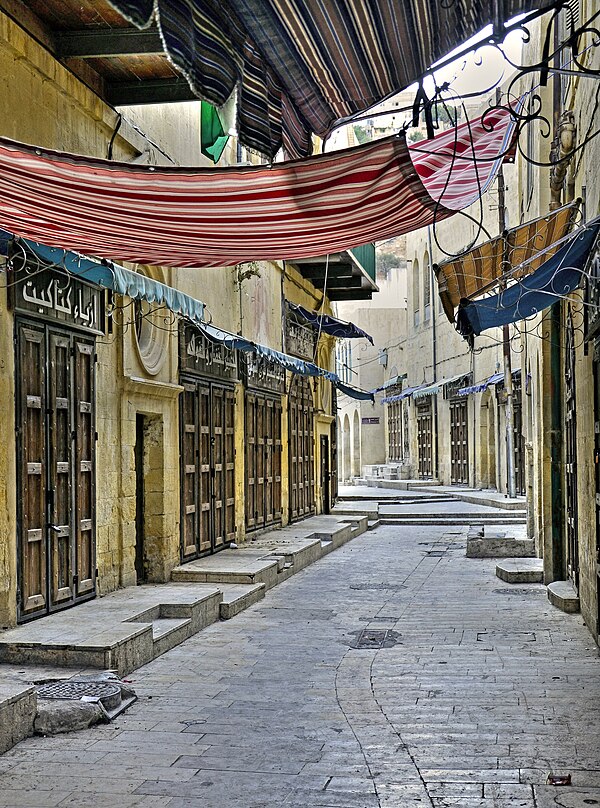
pixel 415 136
pixel 446 114
pixel 363 135
pixel 387 260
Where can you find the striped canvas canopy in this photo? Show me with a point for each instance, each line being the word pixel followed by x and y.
pixel 209 217
pixel 303 65
pixel 515 254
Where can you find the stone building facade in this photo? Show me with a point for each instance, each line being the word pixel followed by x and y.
pixel 130 443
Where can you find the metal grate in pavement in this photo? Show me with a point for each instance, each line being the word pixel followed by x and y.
pixel 77 690
pixel 374 639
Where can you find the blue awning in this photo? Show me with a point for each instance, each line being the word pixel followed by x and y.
pixel 113 276
pixel 480 387
pixel 404 394
pixel 330 325
pixel 291 363
pixel 557 277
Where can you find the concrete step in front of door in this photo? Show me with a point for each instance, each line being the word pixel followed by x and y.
pixel 18 707
pixel 451 520
pixel 273 557
pixel 563 595
pixel 237 597
pixel 510 542
pixel 121 631
pixel 521 570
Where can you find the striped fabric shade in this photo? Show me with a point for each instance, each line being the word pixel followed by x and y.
pixel 209 217
pixel 303 65
pixel 515 254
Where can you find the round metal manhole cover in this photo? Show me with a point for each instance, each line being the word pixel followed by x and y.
pixel 106 692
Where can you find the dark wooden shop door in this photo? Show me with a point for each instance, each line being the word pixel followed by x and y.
pixel 425 438
pixel 459 441
pixel 301 448
pixel 263 461
pixel 207 458
pixel 55 450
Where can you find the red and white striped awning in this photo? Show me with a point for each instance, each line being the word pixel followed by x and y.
pixel 208 217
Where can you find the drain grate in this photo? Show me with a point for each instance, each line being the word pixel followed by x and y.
pixel 521 591
pixel 79 690
pixel 435 553
pixel 374 639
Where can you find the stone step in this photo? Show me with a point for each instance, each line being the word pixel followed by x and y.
pixel 242 568
pixel 447 520
pixel 521 570
pixel 18 707
pixel 563 595
pixel 238 597
pixel 115 632
pixel 373 524
pixel 167 632
pixel 498 544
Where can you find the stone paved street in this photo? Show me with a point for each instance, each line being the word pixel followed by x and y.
pixel 483 692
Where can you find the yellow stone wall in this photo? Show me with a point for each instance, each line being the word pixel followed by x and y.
pixel 43 103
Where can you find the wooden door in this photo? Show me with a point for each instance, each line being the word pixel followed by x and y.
pixel 301 448
pixel 395 431
pixel 263 461
pixel 56 466
pixel 518 438
pixel 207 415
pixel 425 438
pixel 84 482
pixel 32 471
pixel 334 452
pixel 571 455
pixel 459 441
pixel 325 473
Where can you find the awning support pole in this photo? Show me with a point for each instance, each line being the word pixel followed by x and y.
pixel 508 386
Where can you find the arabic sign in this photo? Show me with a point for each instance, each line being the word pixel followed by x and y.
pixel 367 421
pixel 197 354
pixel 55 295
pixel 261 373
pixel 299 338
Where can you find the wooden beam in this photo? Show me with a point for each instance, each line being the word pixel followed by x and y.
pixel 349 294
pixel 338 283
pixel 153 91
pixel 310 271
pixel 107 42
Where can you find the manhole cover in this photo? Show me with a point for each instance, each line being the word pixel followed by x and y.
pixel 378 586
pixel 375 639
pixel 104 691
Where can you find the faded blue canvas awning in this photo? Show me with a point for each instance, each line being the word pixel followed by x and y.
pixel 480 387
pixel 434 388
pixel 113 276
pixel 404 394
pixel 557 277
pixel 291 363
pixel 330 325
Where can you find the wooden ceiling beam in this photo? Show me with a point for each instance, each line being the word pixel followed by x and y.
pixel 151 91
pixel 100 43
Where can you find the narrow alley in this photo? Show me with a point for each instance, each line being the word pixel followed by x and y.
pixel 395 672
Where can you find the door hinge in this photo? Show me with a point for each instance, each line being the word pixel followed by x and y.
pixel 95 436
pixel 96 573
pixel 75 580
